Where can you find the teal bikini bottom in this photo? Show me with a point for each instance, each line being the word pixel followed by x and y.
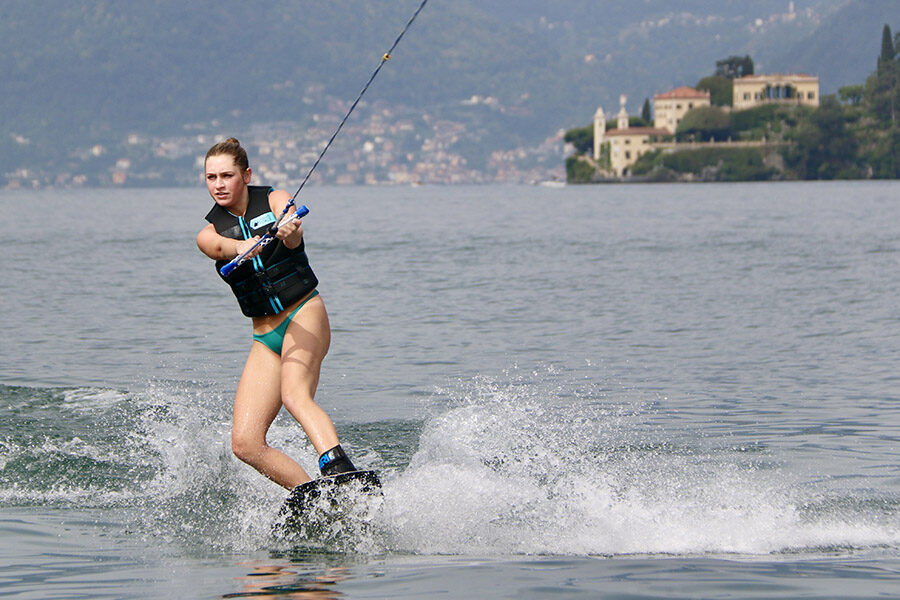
pixel 274 339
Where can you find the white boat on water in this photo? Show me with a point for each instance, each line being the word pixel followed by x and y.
pixel 552 183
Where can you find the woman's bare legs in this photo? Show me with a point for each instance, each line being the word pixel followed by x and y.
pixel 306 343
pixel 256 405
pixel 270 381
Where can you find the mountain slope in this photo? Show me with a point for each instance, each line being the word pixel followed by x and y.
pixel 73 71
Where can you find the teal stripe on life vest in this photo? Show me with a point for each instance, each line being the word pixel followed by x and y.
pixel 257 262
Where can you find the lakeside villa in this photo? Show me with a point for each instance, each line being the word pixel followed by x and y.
pixel 669 108
pixel 627 144
pixel 756 90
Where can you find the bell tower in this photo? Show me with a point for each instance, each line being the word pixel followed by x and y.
pixel 599 131
pixel 622 117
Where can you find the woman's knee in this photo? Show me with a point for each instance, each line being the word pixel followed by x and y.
pixel 297 400
pixel 246 447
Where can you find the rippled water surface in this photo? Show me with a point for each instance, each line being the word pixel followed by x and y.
pixel 606 391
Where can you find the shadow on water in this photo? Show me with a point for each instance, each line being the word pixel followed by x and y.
pixel 292 575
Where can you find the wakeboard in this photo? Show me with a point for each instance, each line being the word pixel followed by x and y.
pixel 314 507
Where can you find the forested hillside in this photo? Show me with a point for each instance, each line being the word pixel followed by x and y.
pixel 78 72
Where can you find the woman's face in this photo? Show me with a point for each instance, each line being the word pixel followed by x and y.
pixel 225 181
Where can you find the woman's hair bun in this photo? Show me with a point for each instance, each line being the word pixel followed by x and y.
pixel 232 148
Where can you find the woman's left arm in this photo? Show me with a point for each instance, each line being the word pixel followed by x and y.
pixel 291 233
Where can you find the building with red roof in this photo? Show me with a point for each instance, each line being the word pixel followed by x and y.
pixel 626 144
pixel 670 107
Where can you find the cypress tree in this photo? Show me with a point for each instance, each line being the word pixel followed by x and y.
pixel 887 76
pixel 645 111
pixel 887 46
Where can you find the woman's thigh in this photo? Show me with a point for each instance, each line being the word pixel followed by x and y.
pixel 306 343
pixel 258 397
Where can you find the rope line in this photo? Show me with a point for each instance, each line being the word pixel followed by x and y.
pixel 384 59
pixel 270 235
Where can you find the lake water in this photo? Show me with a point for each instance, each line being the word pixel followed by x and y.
pixel 660 391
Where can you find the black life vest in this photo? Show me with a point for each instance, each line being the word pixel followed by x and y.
pixel 275 278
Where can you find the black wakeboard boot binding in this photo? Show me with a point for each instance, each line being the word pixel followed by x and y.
pixel 335 461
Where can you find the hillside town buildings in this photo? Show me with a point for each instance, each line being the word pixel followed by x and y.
pixel 382 145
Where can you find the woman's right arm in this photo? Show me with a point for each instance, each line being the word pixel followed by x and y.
pixel 219 247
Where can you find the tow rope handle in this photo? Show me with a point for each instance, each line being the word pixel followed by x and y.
pixel 237 261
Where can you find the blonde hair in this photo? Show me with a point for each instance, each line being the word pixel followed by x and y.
pixel 233 148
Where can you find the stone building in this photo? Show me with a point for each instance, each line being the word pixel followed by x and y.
pixel 756 90
pixel 626 144
pixel 669 108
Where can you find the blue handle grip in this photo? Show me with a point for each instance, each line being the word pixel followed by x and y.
pixel 225 271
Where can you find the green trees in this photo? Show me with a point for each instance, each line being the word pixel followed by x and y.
pixel 879 108
pixel 704 123
pixel 734 67
pixel 858 136
pixel 882 86
pixel 720 85
pixel 705 164
pixel 579 170
pixel 581 167
pixel 823 146
pixel 767 121
pixel 852 94
pixel 645 111
pixel 888 52
pixel 720 89
pixel 582 138
pixel 885 156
